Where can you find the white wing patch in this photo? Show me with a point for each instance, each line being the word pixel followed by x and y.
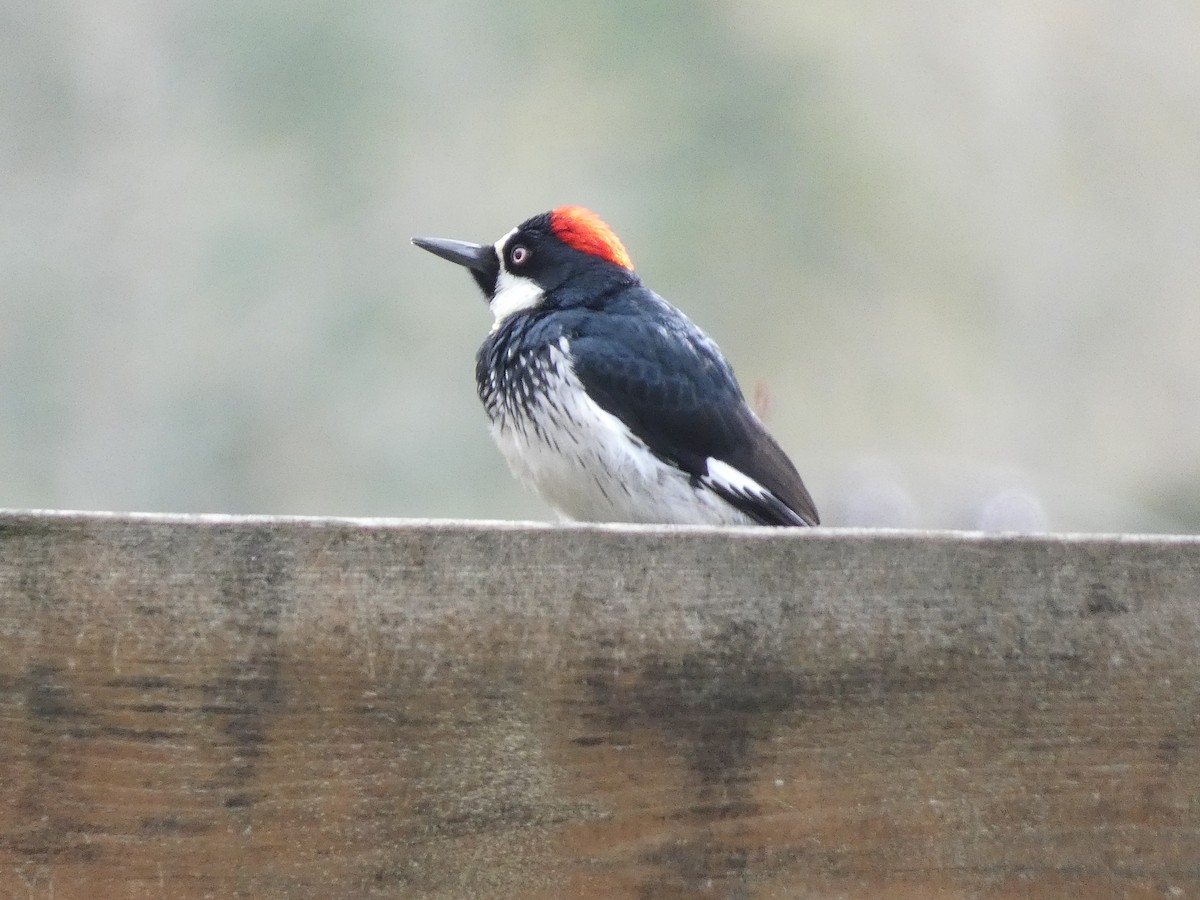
pixel 726 480
pixel 726 477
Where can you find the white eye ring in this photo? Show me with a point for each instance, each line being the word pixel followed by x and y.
pixel 519 254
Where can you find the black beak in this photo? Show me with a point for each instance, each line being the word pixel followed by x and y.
pixel 479 259
pixel 476 257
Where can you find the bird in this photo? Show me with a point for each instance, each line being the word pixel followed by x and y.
pixel 606 400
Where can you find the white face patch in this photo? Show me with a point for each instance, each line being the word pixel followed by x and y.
pixel 514 293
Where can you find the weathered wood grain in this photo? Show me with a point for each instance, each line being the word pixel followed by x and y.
pixel 210 707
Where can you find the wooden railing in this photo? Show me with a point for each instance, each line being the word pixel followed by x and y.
pixel 251 707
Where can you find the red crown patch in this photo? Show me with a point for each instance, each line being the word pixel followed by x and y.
pixel 588 233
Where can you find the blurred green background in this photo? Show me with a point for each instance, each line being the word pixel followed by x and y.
pixel 953 249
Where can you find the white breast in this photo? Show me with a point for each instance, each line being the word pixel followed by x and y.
pixel 588 465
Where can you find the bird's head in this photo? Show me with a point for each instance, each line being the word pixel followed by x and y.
pixel 562 257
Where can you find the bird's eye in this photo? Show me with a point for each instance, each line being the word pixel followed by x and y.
pixel 519 255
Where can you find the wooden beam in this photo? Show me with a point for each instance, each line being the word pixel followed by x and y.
pixel 216 707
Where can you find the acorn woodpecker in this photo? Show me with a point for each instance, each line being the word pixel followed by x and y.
pixel 605 399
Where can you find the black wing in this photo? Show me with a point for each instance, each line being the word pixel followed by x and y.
pixel 670 385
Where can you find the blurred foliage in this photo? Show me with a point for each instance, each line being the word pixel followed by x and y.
pixel 952 248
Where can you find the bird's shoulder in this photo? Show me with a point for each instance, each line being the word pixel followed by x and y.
pixel 645 362
pixel 639 337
